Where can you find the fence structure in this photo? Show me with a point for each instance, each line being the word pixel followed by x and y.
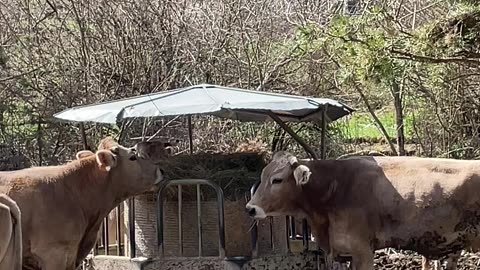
pixel 160 214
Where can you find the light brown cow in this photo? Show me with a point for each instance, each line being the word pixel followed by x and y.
pixel 155 149
pixel 362 204
pixel 63 206
pixel 10 234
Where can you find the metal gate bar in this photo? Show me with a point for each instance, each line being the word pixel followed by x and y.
pixel 220 205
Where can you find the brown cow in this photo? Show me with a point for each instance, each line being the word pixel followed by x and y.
pixel 362 204
pixel 10 234
pixel 155 150
pixel 63 206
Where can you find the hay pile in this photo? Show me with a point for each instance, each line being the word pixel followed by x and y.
pixel 234 173
pixel 397 260
pixel 405 260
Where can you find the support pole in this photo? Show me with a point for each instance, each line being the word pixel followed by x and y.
pixel 293 134
pixel 84 136
pixel 190 133
pixel 323 155
pixel 131 206
pixel 323 147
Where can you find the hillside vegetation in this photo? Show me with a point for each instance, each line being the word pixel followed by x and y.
pixel 410 68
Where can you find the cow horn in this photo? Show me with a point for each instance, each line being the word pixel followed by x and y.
pixel 293 162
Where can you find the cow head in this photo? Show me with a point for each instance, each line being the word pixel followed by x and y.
pixel 130 169
pixel 155 150
pixel 280 188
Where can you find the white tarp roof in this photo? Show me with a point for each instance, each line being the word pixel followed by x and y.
pixel 233 103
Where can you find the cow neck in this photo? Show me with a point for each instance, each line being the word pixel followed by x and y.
pixel 93 188
pixel 319 193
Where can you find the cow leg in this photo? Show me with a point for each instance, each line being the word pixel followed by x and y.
pixel 363 261
pixel 426 264
pixel 57 259
pixel 58 264
pixel 453 260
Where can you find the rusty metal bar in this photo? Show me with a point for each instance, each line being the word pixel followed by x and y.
pixel 270 225
pixel 287 223
pixel 293 229
pixel 220 205
pixel 305 234
pixel 180 225
pixel 105 235
pixel 199 221
pixel 131 226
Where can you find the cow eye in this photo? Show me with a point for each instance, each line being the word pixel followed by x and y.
pixel 133 158
pixel 277 181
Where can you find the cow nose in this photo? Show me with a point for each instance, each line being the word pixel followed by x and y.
pixel 251 211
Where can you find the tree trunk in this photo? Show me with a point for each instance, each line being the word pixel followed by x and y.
pixel 397 101
pixel 375 118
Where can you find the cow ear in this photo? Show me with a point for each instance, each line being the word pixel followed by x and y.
pixel 84 154
pixel 302 175
pixel 106 160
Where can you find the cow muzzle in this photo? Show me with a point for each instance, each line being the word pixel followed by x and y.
pixel 255 211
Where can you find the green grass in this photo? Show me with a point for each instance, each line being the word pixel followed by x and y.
pixel 361 125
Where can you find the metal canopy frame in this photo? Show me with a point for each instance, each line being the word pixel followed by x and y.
pixel 323 109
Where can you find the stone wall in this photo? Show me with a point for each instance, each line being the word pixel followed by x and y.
pixel 283 262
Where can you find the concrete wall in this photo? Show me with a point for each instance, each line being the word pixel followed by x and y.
pixel 278 262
